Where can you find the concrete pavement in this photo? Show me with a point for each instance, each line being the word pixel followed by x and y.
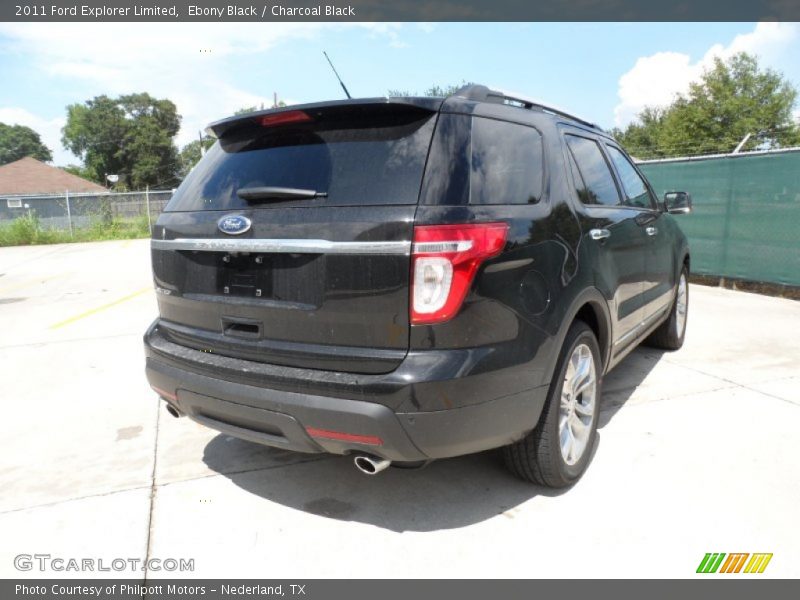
pixel 697 453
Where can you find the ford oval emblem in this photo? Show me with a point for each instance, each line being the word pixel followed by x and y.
pixel 234 224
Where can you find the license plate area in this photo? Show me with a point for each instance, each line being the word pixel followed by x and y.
pixel 245 275
pixel 301 279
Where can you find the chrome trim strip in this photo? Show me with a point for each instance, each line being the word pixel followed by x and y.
pixel 441 247
pixel 282 246
pixel 632 332
pixel 636 329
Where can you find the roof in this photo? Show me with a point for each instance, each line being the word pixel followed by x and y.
pixel 470 92
pixel 30 176
pixel 481 93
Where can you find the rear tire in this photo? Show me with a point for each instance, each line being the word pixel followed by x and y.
pixel 545 455
pixel 671 333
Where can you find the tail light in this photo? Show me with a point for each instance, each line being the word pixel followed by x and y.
pixel 283 118
pixel 445 259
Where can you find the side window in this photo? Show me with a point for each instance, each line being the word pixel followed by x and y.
pixel 596 184
pixel 507 163
pixel 634 187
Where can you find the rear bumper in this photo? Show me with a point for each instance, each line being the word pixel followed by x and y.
pixel 277 413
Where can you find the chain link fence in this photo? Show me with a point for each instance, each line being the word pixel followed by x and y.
pixel 76 211
pixel 744 224
pixel 746 214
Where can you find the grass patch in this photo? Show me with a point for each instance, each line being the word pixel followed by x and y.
pixel 28 231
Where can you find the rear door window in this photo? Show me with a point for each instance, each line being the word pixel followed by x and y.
pixel 596 184
pixel 507 163
pixel 476 160
pixel 356 159
pixel 636 192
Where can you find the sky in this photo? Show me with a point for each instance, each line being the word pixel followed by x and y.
pixel 603 72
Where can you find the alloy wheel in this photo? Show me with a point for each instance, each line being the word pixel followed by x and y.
pixel 578 404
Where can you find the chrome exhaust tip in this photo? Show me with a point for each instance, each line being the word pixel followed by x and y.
pixel 174 411
pixel 371 465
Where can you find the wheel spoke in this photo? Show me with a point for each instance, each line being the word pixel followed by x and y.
pixel 571 450
pixel 583 376
pixel 570 371
pixel 567 441
pixel 586 383
pixel 587 377
pixel 579 428
pixel 577 450
pixel 562 421
pixel 681 306
pixel 587 410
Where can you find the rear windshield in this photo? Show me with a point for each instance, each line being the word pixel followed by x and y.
pixel 363 157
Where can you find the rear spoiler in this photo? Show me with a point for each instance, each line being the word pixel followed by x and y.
pixel 307 112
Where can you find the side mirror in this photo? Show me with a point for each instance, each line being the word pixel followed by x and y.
pixel 678 203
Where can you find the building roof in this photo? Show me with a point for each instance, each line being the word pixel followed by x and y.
pixel 30 176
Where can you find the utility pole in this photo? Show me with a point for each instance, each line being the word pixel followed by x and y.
pixel 741 144
pixel 69 214
pixel 274 99
pixel 147 205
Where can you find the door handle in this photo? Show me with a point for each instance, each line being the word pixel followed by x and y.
pixel 645 218
pixel 651 230
pixel 599 234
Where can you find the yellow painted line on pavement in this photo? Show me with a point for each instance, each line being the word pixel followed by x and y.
pixel 98 309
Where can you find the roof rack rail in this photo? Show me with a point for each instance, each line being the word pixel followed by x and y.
pixel 481 93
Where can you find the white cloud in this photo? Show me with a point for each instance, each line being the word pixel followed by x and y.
pixel 165 59
pixel 655 80
pixel 48 129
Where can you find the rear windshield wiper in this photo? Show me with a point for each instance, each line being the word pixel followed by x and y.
pixel 278 193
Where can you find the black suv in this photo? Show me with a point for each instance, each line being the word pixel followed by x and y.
pixel 405 279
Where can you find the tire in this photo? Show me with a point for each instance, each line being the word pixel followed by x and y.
pixel 538 457
pixel 671 333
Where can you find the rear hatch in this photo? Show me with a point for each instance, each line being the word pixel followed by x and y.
pixel 289 242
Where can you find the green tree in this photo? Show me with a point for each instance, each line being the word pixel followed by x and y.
pixel 192 152
pixel 732 99
pixel 434 90
pixel 19 141
pixel 81 172
pixel 248 109
pixel 641 138
pixel 131 136
pixel 254 108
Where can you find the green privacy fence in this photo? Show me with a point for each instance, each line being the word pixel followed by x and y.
pixel 746 218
